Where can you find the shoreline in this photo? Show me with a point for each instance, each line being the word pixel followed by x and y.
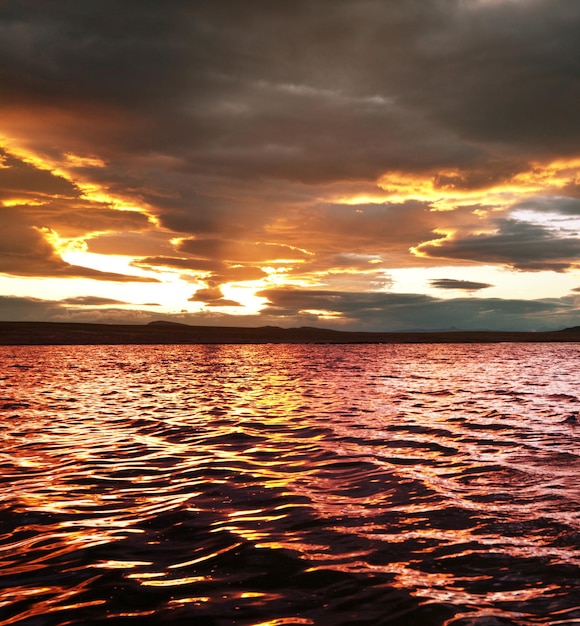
pixel 161 333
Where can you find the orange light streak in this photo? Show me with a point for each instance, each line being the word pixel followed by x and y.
pixel 66 169
pixel 398 187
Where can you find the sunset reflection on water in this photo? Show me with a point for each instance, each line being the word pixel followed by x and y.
pixel 290 484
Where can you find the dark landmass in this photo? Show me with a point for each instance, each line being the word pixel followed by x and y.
pixel 56 333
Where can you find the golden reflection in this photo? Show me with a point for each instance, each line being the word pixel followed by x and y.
pixel 193 600
pixel 172 582
pixel 205 557
pixel 257 518
pixel 248 534
pixel 243 513
pixel 281 621
pixel 28 591
pixel 135 613
pixel 286 450
pixel 53 604
pixel 112 564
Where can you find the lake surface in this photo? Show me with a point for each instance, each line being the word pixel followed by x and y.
pixel 290 484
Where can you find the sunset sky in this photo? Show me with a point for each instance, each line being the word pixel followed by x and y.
pixel 353 164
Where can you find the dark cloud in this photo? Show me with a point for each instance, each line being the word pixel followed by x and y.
pixel 25 181
pixel 288 300
pixel 369 237
pixel 91 301
pixel 237 274
pixel 382 226
pixel 493 173
pixel 390 311
pixel 217 272
pixel 39 204
pixel 212 297
pixel 521 245
pixel 314 92
pixel 48 200
pixel 302 91
pixel 16 309
pixel 129 244
pixel 25 251
pixel 84 219
pixel 23 309
pixel 96 56
pixel 355 311
pixel 239 251
pixel 498 73
pixel 550 204
pixel 464 285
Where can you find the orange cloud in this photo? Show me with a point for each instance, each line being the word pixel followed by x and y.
pixel 446 190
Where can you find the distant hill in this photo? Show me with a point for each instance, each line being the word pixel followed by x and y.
pixel 164 332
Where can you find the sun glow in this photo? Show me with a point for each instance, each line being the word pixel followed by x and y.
pixel 73 248
pixel 245 294
pixel 363 199
pixel 118 264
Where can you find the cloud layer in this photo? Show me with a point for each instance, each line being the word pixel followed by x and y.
pixel 318 144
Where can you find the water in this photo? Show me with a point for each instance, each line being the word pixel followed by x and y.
pixel 272 485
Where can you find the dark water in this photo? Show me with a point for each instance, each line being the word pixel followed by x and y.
pixel 272 485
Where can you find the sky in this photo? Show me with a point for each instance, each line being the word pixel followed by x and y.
pixel 351 164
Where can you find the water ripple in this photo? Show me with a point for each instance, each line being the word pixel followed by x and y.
pixel 267 485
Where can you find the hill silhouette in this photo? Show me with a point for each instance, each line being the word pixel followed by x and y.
pixel 166 332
